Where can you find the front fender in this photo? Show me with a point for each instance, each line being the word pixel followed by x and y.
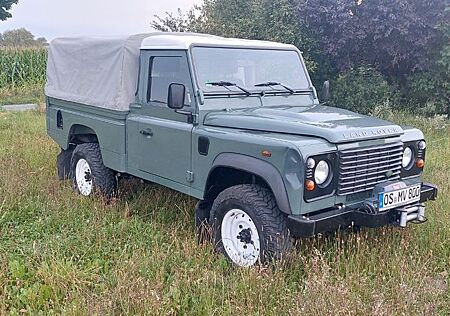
pixel 260 168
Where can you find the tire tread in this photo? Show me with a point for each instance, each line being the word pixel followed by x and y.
pixel 273 221
pixel 103 177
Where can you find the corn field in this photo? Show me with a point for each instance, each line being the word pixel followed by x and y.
pixel 21 67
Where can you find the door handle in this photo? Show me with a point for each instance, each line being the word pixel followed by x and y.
pixel 147 132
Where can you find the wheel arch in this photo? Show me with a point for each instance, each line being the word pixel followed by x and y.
pixel 79 134
pixel 231 169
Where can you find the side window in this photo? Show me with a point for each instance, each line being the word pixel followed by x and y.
pixel 165 70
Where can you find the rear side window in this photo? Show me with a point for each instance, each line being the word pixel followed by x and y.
pixel 164 71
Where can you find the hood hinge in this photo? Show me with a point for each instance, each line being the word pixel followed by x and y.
pixel 189 176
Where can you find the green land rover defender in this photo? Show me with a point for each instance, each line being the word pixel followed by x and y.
pixel 236 124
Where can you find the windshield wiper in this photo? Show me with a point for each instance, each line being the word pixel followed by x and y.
pixel 228 84
pixel 272 83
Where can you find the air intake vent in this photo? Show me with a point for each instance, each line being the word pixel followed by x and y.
pixel 360 169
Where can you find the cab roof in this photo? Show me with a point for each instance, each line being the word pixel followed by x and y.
pixel 103 71
pixel 186 40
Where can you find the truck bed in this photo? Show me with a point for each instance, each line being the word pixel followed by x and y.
pixel 67 118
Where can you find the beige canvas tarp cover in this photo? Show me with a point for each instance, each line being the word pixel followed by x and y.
pixel 96 71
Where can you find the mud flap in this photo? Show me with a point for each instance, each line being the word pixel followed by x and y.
pixel 202 228
pixel 63 164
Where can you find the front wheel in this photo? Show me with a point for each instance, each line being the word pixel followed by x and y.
pixel 89 174
pixel 248 226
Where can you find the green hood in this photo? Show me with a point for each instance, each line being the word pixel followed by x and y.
pixel 333 124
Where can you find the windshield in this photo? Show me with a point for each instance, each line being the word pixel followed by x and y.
pixel 221 70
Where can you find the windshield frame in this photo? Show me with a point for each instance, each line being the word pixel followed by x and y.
pixel 254 90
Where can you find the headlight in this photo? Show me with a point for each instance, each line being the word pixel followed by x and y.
pixel 322 172
pixel 407 157
pixel 320 181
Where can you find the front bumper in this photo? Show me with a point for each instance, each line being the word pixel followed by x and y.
pixel 331 220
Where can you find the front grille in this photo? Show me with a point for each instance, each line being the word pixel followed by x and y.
pixel 360 169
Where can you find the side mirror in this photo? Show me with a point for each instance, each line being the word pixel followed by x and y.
pixel 176 95
pixel 326 91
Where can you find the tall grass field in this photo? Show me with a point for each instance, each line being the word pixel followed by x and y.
pixel 21 67
pixel 61 253
pixel 22 74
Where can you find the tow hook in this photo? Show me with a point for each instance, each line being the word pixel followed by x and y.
pixel 414 214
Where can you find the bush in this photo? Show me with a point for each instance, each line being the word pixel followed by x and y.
pixel 361 90
pixel 429 92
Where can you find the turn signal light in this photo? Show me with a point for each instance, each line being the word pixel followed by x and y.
pixel 310 185
pixel 266 153
pixel 420 163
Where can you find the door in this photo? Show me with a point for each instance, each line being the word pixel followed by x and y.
pixel 164 135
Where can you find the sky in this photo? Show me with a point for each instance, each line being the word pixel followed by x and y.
pixel 53 18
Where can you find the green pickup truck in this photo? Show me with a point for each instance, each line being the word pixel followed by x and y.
pixel 236 124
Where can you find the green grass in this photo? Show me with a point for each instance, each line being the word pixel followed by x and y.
pixel 29 93
pixel 64 254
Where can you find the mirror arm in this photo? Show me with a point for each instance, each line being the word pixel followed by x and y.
pixel 183 112
pixel 325 92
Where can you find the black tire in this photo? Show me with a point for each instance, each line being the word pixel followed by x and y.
pixel 259 204
pixel 103 179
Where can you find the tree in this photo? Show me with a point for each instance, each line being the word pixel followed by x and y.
pixel 179 22
pixel 21 38
pixel 5 6
pixel 400 42
pixel 397 37
pixel 275 20
pixel 41 41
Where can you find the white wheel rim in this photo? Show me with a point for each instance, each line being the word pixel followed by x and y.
pixel 83 177
pixel 240 238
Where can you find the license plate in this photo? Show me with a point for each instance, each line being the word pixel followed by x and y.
pixel 388 200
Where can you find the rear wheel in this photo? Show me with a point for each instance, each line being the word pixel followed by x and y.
pixel 89 174
pixel 248 226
